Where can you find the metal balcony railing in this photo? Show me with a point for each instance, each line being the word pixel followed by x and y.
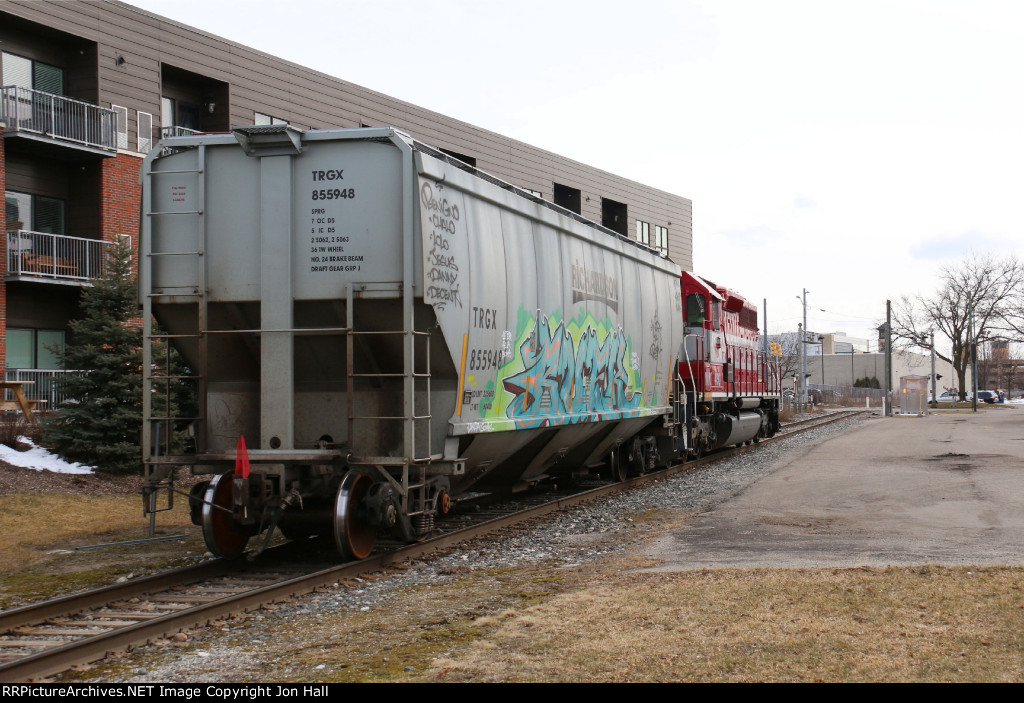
pixel 54 256
pixel 58 118
pixel 44 387
pixel 176 131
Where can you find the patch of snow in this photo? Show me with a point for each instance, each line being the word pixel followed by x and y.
pixel 39 459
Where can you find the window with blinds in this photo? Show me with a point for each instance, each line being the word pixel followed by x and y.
pixel 145 132
pixel 35 75
pixel 35 213
pixel 122 126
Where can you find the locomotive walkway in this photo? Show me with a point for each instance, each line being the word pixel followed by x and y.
pixel 943 489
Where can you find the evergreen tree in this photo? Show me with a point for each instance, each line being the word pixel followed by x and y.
pixel 867 382
pixel 100 424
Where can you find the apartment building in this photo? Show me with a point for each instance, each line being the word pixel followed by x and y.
pixel 87 88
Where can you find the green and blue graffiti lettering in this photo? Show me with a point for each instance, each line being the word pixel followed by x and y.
pixel 569 373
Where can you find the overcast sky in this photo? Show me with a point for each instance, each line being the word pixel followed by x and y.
pixel 850 148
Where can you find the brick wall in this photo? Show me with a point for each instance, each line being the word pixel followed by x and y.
pixel 121 195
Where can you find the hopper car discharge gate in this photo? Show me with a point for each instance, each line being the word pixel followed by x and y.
pixel 356 394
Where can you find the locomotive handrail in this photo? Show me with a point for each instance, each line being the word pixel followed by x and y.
pixel 699 339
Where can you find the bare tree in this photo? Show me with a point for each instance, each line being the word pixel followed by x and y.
pixel 1014 316
pixel 789 362
pixel 982 286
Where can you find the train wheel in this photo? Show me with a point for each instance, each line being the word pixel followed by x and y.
pixel 353 533
pixel 637 458
pixel 618 469
pixel 195 502
pixel 224 537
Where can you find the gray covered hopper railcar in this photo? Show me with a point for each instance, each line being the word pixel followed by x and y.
pixel 389 330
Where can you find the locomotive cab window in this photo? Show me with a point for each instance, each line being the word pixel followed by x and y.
pixel 695 310
pixel 716 314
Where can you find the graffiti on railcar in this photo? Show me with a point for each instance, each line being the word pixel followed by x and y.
pixel 565 372
pixel 441 223
pixel 655 350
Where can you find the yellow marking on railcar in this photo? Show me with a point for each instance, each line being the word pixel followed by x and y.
pixel 671 380
pixel 462 375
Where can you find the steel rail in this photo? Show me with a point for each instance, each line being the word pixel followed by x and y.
pixel 57 659
pixel 75 602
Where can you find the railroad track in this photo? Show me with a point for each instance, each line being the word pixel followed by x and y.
pixel 44 639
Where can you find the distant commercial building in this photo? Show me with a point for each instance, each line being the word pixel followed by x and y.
pixel 836 360
pixel 845 369
pixel 1000 371
pixel 89 87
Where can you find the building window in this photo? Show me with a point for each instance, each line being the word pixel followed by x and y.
pixel 166 112
pixel 643 232
pixel 145 123
pixel 613 216
pixel 35 349
pixel 36 213
pixel 569 198
pixel 35 75
pixel 261 118
pixel 461 157
pixel 122 126
pixel 661 239
pixel 179 118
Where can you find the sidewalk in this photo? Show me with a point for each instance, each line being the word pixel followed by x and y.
pixel 947 488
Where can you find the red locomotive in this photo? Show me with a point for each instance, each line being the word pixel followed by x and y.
pixel 729 388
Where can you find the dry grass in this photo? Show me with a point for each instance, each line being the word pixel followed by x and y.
pixel 788 411
pixel 926 624
pixel 605 622
pixel 39 532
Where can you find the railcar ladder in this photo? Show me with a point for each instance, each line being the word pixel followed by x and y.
pixel 159 418
pixel 413 487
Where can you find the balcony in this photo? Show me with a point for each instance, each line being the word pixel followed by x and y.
pixel 54 258
pixel 176 131
pixel 58 121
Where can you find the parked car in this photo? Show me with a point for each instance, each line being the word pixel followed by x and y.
pixel 988 396
pixel 983 396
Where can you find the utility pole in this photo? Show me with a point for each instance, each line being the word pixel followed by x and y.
pixel 803 354
pixel 973 336
pixel 931 344
pixel 888 358
pixel 764 302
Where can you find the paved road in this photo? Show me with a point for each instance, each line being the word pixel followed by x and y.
pixel 944 489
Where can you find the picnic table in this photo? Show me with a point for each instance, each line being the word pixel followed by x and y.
pixel 20 402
